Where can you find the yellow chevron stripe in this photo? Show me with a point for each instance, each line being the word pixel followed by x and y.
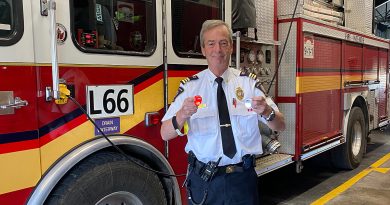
pixel 305 84
pixel 23 168
pixel 19 170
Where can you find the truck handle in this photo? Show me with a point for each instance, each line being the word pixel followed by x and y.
pixel 18 103
pixel 353 83
pixel 53 47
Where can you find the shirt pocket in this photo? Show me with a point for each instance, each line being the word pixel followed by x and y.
pixel 204 122
pixel 246 122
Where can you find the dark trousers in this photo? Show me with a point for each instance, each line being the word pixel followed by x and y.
pixel 238 188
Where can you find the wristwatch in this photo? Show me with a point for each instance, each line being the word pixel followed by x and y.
pixel 271 116
pixel 174 123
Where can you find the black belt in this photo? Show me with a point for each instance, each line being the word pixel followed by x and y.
pixel 210 170
pixel 247 163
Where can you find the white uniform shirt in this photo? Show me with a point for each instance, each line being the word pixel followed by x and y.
pixel 204 135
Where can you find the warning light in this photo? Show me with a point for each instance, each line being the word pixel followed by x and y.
pixel 152 119
pixel 197 100
pixel 155 119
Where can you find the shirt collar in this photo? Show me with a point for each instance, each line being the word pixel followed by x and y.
pixel 227 75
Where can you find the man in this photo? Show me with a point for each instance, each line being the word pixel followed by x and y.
pixel 223 131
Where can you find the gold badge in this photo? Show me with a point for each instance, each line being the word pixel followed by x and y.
pixel 239 93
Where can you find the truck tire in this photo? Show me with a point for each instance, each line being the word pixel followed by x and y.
pixel 108 178
pixel 350 154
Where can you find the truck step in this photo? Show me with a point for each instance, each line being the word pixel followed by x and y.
pixel 272 162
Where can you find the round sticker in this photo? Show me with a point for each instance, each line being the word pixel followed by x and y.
pixel 62 34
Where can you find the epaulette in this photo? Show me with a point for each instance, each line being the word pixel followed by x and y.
pixel 179 91
pixel 250 75
pixel 194 77
pixel 259 86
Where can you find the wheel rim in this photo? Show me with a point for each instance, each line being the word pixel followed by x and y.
pixel 120 198
pixel 357 134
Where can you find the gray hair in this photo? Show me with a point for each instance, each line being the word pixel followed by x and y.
pixel 209 24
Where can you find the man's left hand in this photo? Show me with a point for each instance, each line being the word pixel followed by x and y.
pixel 260 106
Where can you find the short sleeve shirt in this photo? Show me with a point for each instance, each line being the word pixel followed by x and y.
pixel 204 135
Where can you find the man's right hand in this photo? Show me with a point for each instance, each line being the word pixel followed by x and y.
pixel 186 111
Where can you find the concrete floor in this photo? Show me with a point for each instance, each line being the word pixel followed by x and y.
pixel 372 187
pixel 320 183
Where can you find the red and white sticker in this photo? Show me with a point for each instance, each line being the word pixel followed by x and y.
pixel 308 47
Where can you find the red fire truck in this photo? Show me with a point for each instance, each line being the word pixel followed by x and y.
pixel 121 61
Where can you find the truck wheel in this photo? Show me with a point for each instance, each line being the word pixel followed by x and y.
pixel 108 178
pixel 350 154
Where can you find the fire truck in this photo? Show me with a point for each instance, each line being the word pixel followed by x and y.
pixel 85 83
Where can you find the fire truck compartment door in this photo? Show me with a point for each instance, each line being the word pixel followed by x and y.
pixel 19 136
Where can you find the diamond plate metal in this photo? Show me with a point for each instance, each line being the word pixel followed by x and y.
pixel 339 3
pixel 265 19
pixel 372 99
pixel 287 72
pixel 322 30
pixel 286 7
pixel 272 162
pixel 287 137
pixel 309 8
pixel 358 15
pixel 388 105
pixel 368 41
pixel 339 34
pixel 371 108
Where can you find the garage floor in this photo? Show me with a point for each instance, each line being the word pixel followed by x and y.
pixel 321 183
pixel 371 186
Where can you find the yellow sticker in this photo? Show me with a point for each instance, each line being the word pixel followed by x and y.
pixel 202 105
